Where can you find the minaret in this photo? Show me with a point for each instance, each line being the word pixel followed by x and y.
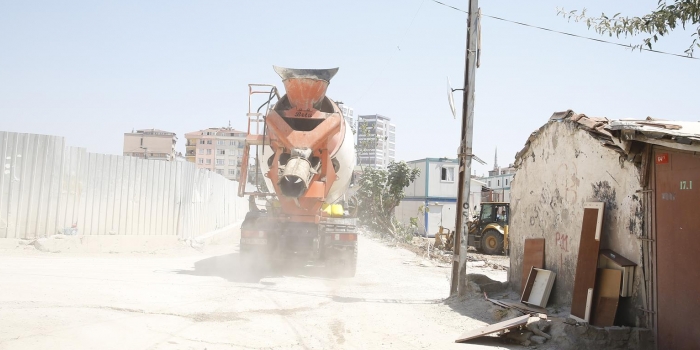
pixel 495 160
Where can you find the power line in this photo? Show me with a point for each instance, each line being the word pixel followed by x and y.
pixel 398 47
pixel 568 34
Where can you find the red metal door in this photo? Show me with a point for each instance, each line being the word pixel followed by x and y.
pixel 678 249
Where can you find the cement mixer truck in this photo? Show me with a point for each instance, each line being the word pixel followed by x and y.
pixel 305 154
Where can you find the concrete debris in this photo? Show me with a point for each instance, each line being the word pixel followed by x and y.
pixel 519 337
pixel 582 335
pixel 539 327
pixel 26 242
pixel 476 263
pixel 538 339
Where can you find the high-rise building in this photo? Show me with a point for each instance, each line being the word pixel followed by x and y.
pixel 150 144
pixel 217 149
pixel 348 114
pixel 376 141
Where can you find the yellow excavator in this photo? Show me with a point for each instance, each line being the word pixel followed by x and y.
pixel 488 232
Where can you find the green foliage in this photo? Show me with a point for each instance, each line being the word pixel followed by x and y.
pixel 658 23
pixel 380 193
pixel 366 143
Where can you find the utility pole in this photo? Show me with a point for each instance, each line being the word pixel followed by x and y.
pixel 459 263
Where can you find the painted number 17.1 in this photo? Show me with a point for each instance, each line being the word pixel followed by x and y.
pixel 686 185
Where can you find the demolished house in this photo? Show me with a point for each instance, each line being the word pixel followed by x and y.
pixel 647 175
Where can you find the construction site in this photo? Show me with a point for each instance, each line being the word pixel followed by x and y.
pixel 296 225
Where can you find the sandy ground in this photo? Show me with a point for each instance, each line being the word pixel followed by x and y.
pixel 188 299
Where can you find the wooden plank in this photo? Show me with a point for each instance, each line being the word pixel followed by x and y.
pixel 612 260
pixel 606 297
pixel 490 329
pixel 529 284
pixel 616 258
pixel 587 262
pixel 523 307
pixel 533 256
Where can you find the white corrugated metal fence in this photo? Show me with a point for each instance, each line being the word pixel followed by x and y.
pixel 47 187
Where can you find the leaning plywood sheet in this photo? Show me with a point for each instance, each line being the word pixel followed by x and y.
pixel 533 256
pixel 587 262
pixel 538 287
pixel 606 297
pixel 611 260
pixel 490 329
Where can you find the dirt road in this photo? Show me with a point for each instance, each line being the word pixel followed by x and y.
pixel 186 299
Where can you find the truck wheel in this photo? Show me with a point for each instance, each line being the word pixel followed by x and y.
pixel 492 242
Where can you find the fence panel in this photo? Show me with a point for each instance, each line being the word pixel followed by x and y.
pixel 47 187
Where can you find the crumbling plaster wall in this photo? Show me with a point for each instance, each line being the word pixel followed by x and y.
pixel 563 168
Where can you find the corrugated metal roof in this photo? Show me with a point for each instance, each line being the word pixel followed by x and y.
pixel 617 134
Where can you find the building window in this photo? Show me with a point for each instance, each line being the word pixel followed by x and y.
pixel 208 142
pixel 208 161
pixel 489 183
pixel 232 172
pixel 221 152
pixel 219 162
pixel 498 183
pixel 220 142
pixel 506 180
pixel 447 174
pixel 201 160
pixel 219 171
pixel 232 143
pixel 231 162
pixel 209 151
pixel 201 142
pixel 201 151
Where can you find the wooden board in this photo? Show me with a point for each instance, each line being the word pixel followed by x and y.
pixel 612 260
pixel 490 329
pixel 587 262
pixel 533 256
pixel 523 307
pixel 606 297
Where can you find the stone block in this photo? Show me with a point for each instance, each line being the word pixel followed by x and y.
pixel 538 339
pixel 618 333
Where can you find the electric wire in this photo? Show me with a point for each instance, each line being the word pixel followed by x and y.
pixel 568 34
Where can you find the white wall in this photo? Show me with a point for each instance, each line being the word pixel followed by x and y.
pixel 417 187
pixel 563 168
pixel 47 187
pixel 408 209
pixel 439 188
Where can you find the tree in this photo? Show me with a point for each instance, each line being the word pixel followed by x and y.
pixel 366 142
pixel 380 193
pixel 655 24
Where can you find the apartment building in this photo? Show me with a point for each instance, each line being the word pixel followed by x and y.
pixel 376 140
pixel 150 144
pixel 348 113
pixel 217 149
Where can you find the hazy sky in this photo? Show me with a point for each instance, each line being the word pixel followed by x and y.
pixel 92 70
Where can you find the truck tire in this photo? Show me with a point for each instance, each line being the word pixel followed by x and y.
pixel 492 242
